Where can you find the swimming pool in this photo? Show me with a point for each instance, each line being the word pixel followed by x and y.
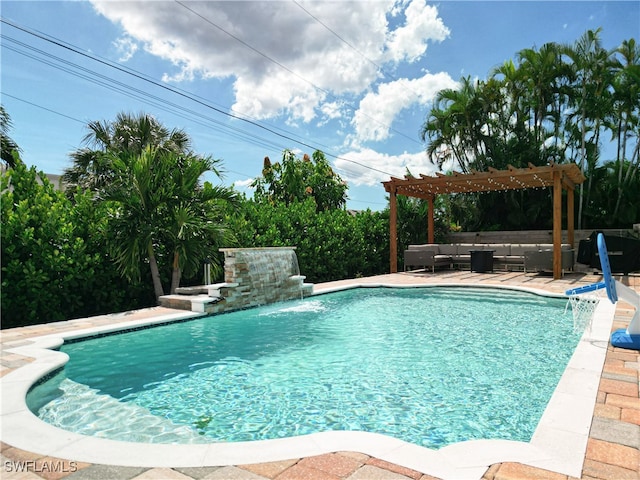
pixel 455 364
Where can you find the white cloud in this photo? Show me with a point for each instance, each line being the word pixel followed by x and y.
pixel 244 184
pixel 267 47
pixel 422 25
pixel 265 99
pixel 316 61
pixel 126 47
pixel 285 59
pixel 360 171
pixel 330 111
pixel 377 110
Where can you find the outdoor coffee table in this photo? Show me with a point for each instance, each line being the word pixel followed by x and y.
pixel 481 260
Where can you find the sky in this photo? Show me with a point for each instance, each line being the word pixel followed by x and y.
pixel 249 79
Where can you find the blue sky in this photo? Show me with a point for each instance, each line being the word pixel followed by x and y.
pixel 354 79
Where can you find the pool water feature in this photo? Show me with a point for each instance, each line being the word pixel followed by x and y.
pixel 432 366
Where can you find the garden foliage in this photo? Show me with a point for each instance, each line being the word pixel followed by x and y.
pixel 331 244
pixel 55 263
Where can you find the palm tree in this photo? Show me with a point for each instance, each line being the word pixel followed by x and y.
pixel 515 89
pixel 453 125
pixel 9 150
pixel 194 212
pixel 625 115
pixel 545 74
pixel 138 191
pixel 592 66
pixel 128 134
pixel 164 211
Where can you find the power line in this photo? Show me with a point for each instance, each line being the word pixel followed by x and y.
pixel 84 123
pixel 43 108
pixel 339 37
pixel 141 95
pixel 378 67
pixel 55 112
pixel 183 94
pixel 287 69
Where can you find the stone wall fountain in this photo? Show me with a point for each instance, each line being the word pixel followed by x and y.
pixel 253 276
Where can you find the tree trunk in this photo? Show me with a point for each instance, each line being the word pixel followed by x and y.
pixel 622 152
pixel 155 274
pixel 176 273
pixel 582 163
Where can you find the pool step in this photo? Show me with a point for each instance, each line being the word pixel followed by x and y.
pixel 102 415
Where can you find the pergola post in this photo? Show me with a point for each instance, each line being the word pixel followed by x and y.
pixel 557 225
pixel 430 233
pixel 393 235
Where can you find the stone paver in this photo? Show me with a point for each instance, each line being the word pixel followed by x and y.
pixel 269 469
pixel 623 401
pixel 613 454
pixel 517 471
pixel 612 451
pixel 407 472
pixel 616 431
pixel 618 387
pixel 233 473
pixel 161 473
pixel 51 468
pixel 197 473
pixel 607 411
pixel 630 416
pixel 103 472
pixel 600 470
pixel 332 463
pixel 369 472
pixel 298 472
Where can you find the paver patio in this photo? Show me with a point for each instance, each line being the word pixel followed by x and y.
pixel 613 449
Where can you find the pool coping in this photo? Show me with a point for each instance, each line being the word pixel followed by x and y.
pixel 558 444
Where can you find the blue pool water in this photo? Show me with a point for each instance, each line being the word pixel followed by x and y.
pixel 432 366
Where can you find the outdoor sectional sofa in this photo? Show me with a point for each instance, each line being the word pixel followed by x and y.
pixel 530 257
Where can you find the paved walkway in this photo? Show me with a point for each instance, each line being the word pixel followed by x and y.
pixel 613 450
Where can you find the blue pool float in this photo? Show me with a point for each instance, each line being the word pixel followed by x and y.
pixel 623 338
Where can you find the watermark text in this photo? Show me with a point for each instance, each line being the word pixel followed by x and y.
pixel 40 466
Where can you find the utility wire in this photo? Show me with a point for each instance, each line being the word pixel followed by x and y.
pixel 378 67
pixel 84 123
pixel 55 112
pixel 5 94
pixel 339 37
pixel 141 95
pixel 287 69
pixel 177 92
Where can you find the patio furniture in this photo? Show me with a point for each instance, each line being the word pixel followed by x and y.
pixel 482 260
pixel 623 253
pixel 505 256
pixel 542 260
pixel 425 258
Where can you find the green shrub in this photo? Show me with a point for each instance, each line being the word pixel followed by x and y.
pixel 55 264
pixel 331 244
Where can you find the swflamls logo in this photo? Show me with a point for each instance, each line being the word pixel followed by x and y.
pixel 57 466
